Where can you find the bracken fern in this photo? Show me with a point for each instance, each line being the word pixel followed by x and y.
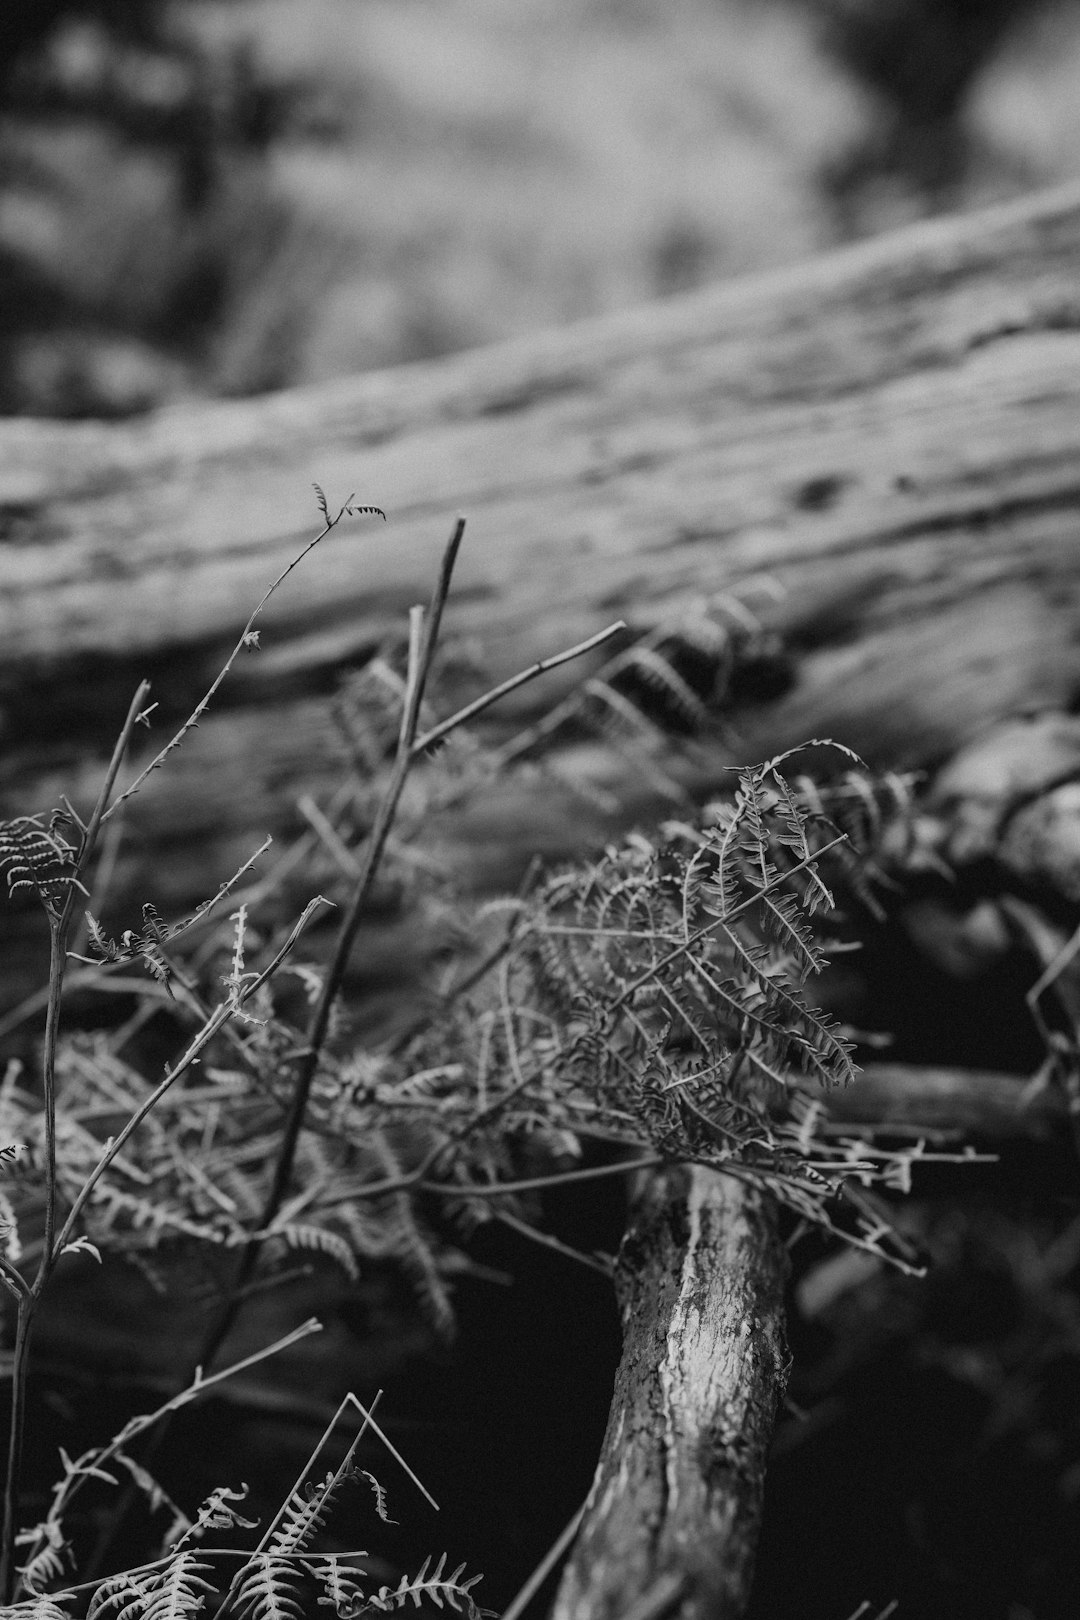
pixel 646 1006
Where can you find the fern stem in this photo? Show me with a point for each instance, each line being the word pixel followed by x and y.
pixel 471 710
pixel 60 918
pixel 102 809
pixel 57 960
pixel 19 1370
pixel 556 1178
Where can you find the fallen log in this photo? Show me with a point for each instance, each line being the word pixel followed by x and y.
pixel 942 1104
pixel 890 433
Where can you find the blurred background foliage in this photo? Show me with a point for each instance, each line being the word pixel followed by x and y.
pixel 224 196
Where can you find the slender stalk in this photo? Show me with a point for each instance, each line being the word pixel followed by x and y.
pixel 102 809
pixel 558 1549
pixel 347 1192
pixel 60 915
pixel 57 960
pixel 421 651
pixel 19 1367
pixel 248 638
pixel 542 665
pixel 423 640
pixel 59 909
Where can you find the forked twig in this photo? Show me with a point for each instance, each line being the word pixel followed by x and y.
pixel 249 637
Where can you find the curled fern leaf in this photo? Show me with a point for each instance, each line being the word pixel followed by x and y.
pixel 380 1497
pixel 38 858
pixel 217 1513
pixel 320 1240
pixel 50 1562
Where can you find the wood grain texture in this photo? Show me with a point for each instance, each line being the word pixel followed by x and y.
pixel 890 429
pixel 891 434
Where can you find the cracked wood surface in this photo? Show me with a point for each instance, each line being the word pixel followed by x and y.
pixel 890 433
pixel 889 430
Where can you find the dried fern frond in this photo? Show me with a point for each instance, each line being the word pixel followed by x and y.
pixel 39 858
pixel 40 1607
pixel 216 1513
pixel 270 1590
pixel 655 998
pixel 434 1586
pixel 50 1561
pixel 176 1592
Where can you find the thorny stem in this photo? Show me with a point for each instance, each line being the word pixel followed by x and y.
pixel 248 638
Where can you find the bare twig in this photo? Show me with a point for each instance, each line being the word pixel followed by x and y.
pixel 248 638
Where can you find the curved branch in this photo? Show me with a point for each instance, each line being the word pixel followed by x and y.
pixel 670 1526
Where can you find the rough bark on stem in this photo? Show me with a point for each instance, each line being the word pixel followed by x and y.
pixel 931 1101
pixel 671 1523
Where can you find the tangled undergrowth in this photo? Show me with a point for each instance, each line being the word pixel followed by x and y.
pixel 646 1007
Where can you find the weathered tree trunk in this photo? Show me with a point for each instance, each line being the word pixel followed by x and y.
pixel 671 1524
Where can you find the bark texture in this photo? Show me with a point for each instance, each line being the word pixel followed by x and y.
pixel 671 1524
pixel 889 437
pixel 890 434
pixel 949 1104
